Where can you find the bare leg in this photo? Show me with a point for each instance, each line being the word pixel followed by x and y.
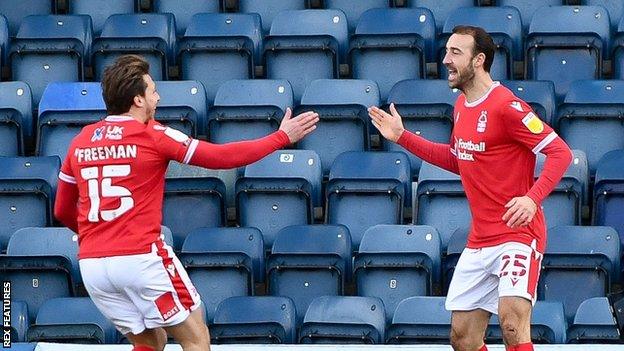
pixel 468 329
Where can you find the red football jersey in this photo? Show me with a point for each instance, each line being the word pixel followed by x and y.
pixel 495 140
pixel 119 165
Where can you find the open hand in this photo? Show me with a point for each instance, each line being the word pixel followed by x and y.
pixel 389 125
pixel 299 126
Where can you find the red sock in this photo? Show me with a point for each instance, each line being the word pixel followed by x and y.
pixel 142 348
pixel 483 348
pixel 524 347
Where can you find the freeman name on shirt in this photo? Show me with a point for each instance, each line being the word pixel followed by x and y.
pixel 105 152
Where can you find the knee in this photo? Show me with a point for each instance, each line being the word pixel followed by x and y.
pixel 510 327
pixel 461 340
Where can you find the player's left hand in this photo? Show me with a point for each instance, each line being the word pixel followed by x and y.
pixel 520 211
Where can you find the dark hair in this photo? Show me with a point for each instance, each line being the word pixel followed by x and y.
pixel 122 81
pixel 483 43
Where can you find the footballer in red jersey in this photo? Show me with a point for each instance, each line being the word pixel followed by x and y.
pixel 111 194
pixel 493 148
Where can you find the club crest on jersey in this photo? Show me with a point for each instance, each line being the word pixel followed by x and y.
pixel 98 134
pixel 482 122
pixel 533 123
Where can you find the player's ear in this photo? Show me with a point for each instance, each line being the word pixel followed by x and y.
pixel 138 100
pixel 479 59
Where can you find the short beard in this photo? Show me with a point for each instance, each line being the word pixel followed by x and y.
pixel 466 79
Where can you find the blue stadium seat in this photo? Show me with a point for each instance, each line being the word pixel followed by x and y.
pixel 441 9
pixel 308 261
pixel 20 322
pixel 564 204
pixel 594 323
pixel 454 249
pixel 527 9
pixel 166 235
pixel 420 319
pixel 152 35
pixel 65 108
pixel 27 190
pixel 566 43
pixel 100 11
pixel 540 95
pixel 354 9
pixel 614 8
pixel 193 199
pixel 395 262
pixel 608 199
pixel 505 27
pixel 248 109
pixel 280 190
pixel 22 346
pixel 231 43
pixel 365 189
pixel 182 106
pixel 50 48
pixel 441 201
pixel 579 263
pixel 183 10
pixel 223 262
pixel 255 320
pixel 16 120
pixel 618 51
pixel 344 320
pixel 41 263
pixel 590 118
pixel 269 9
pixel 342 105
pixel 391 40
pixel 548 325
pixel 73 320
pixel 15 13
pixel 428 115
pixel 302 39
pixel 4 40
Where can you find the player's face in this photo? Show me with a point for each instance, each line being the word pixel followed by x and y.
pixel 459 60
pixel 151 97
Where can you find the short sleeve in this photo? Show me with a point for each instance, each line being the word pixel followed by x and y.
pixel 525 127
pixel 172 144
pixel 66 174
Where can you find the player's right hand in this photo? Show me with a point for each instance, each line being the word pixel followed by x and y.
pixel 389 125
pixel 299 126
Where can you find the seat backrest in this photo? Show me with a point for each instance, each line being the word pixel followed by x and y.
pixel 337 310
pixel 257 310
pixel 315 239
pixel 497 21
pixel 4 40
pixel 441 9
pixel 269 9
pixel 433 174
pixel 14 13
pixel 570 21
pixel 610 168
pixel 527 8
pixel 360 92
pixel 614 8
pixel 228 240
pixel 72 311
pixel 594 322
pixel 540 95
pixel 354 9
pixel 248 25
pixel 256 92
pixel 182 102
pixel 77 27
pixel 100 11
pixel 144 25
pixel 16 107
pixel 19 320
pixel 550 314
pixel 400 239
pixel 331 23
pixel 422 310
pixel 68 97
pixel 388 21
pixel 47 242
pixel 184 9
pixel 290 164
pixel 409 92
pixel 32 168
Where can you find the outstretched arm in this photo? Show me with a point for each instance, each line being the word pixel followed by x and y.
pixel 237 154
pixel 66 204
pixel 391 127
